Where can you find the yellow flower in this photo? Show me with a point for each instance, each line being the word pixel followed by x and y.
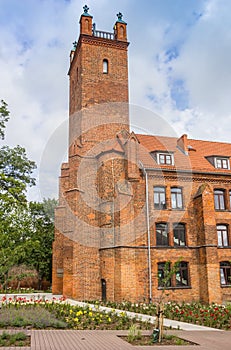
pixel 76 319
pixel 90 314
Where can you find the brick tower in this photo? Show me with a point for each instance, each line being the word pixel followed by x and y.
pixel 85 218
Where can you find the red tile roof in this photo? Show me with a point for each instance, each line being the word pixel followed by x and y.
pixel 197 152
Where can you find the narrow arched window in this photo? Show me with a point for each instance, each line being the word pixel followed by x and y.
pixel 87 24
pixel 105 66
pixel 122 31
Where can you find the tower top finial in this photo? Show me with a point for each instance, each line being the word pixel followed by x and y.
pixel 86 9
pixel 120 17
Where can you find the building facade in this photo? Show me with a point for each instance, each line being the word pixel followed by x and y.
pixel 129 203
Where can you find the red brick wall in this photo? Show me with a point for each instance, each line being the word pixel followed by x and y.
pixel 101 223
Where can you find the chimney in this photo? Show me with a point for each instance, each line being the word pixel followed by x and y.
pixel 182 144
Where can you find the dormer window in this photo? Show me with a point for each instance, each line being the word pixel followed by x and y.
pixel 165 158
pixel 105 66
pixel 221 163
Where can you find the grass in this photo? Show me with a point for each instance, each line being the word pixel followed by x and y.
pixel 16 339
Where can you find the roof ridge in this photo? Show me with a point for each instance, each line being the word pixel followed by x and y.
pixel 189 139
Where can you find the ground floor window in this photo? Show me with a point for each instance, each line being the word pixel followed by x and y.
pixel 163 271
pixel 225 273
pixel 182 275
pixel 173 277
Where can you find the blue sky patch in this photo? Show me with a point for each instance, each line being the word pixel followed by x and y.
pixel 179 94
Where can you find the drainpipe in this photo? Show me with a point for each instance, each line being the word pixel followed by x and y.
pixel 148 231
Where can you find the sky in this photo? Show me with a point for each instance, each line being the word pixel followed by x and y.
pixel 179 70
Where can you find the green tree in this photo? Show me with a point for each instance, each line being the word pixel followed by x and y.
pixel 14 223
pixel 49 206
pixel 39 245
pixel 26 237
pixel 15 175
pixel 4 117
pixel 15 168
pixel 165 282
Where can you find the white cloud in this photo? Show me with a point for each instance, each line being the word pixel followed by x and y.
pixel 170 42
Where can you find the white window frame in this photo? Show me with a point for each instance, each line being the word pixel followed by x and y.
pixel 165 154
pixel 218 160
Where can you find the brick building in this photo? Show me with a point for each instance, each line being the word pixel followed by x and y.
pixel 129 202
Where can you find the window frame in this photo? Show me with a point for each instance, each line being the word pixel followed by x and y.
pixel 161 268
pixel 220 161
pixel 183 266
pixel 224 275
pixel 222 229
pixel 161 235
pixel 159 205
pixel 105 66
pixel 176 195
pixel 179 229
pixel 165 156
pixel 219 194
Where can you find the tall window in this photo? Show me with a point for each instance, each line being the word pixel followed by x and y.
pixel 159 198
pixel 163 270
pixel 161 234
pixel 105 66
pixel 179 234
pixel 222 235
pixel 182 275
pixel 219 199
pixel 176 198
pixel 229 199
pixel 225 273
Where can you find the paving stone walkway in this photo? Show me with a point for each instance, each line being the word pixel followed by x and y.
pixel 110 340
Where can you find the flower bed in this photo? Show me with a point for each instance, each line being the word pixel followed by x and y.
pixel 216 316
pixel 56 313
pixel 76 317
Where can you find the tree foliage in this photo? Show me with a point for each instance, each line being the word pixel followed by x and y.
pixel 4 117
pixel 169 272
pixel 15 168
pixel 26 229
